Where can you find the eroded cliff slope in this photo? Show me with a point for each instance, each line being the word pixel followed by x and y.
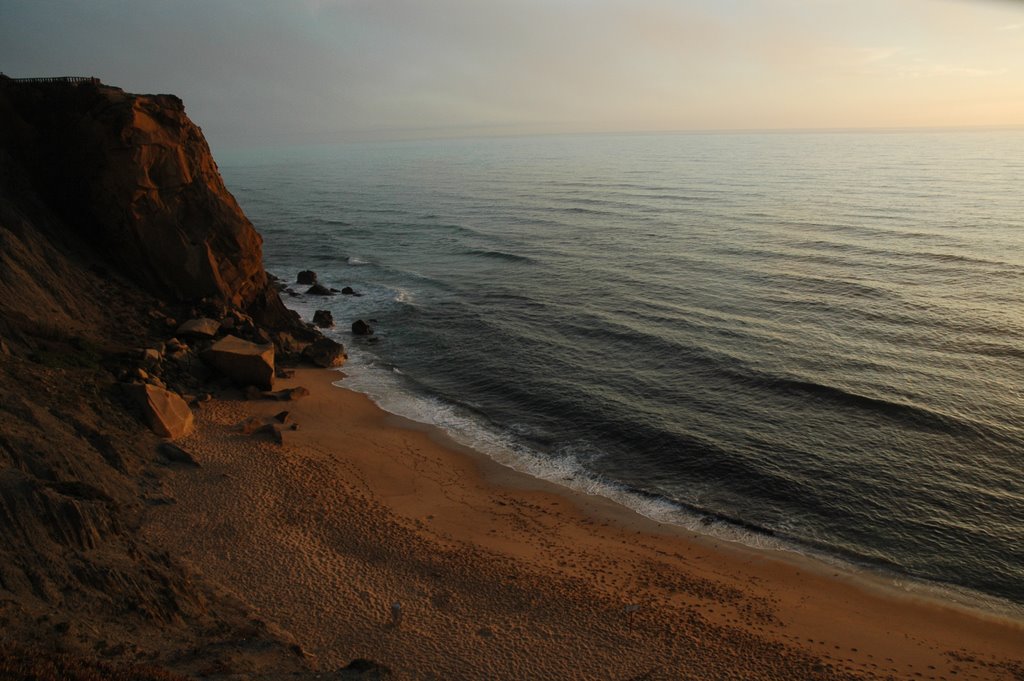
pixel 113 218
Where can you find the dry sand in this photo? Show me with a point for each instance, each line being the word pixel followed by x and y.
pixel 503 576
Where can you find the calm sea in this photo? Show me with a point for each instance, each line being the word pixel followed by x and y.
pixel 809 341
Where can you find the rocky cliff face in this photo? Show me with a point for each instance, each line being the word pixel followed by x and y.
pixel 132 176
pixel 111 210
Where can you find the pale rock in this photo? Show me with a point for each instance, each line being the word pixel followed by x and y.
pixel 164 411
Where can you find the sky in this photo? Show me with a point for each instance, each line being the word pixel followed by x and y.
pixel 324 71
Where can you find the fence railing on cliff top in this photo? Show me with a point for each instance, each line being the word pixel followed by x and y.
pixel 72 80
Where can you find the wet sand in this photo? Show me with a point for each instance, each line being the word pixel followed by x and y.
pixel 498 575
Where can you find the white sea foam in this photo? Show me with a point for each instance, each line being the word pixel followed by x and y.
pixel 566 467
pixel 354 261
pixel 404 296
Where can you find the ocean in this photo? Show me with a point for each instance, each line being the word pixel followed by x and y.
pixel 805 341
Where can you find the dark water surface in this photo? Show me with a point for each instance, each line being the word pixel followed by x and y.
pixel 804 340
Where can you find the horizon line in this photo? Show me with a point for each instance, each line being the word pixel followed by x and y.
pixel 489 132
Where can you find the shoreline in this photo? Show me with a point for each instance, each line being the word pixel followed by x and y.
pixel 720 529
pixel 889 584
pixel 644 597
pixel 782 548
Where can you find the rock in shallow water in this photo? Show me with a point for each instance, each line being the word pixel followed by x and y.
pixel 361 328
pixel 319 290
pixel 325 353
pixel 323 318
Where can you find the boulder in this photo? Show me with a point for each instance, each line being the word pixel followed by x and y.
pixel 203 326
pixel 285 395
pixel 306 277
pixel 325 353
pixel 165 412
pixel 361 328
pixel 348 291
pixel 271 427
pixel 319 290
pixel 243 362
pixel 151 357
pixel 323 318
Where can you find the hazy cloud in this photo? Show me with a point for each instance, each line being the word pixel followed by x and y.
pixel 322 70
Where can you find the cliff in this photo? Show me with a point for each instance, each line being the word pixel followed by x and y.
pixel 133 176
pixel 113 221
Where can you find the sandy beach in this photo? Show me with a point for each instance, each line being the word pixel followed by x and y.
pixel 497 575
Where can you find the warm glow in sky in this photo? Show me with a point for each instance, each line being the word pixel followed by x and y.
pixel 330 70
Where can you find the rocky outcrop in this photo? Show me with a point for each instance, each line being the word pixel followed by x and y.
pixel 243 362
pixel 128 180
pixel 132 174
